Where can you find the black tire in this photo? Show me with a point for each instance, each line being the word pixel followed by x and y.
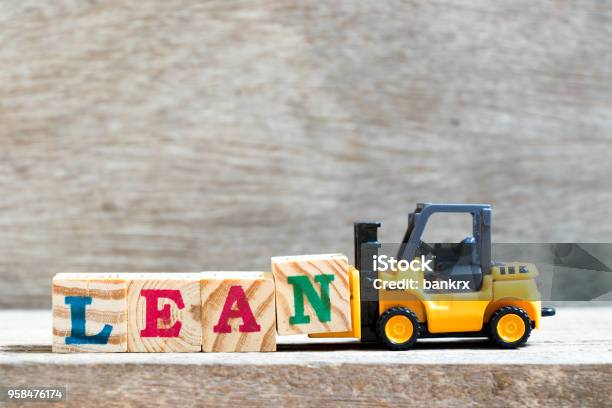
pixel 494 335
pixel 384 318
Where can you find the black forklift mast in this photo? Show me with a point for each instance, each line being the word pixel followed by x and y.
pixel 366 246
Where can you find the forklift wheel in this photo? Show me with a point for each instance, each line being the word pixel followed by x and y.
pixel 398 328
pixel 510 327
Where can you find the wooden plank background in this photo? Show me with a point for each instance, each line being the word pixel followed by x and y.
pixel 194 135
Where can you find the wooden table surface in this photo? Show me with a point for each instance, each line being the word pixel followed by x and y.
pixel 568 362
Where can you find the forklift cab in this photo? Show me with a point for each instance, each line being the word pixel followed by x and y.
pixel 467 260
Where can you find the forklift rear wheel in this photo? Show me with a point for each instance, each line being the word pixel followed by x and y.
pixel 510 327
pixel 398 328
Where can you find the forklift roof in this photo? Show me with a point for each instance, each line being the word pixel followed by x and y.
pixel 442 207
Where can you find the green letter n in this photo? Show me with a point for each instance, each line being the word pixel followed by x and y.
pixel 321 304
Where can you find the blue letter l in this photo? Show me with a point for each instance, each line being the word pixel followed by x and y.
pixel 77 316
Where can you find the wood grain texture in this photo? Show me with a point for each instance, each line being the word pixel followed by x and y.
pixel 108 306
pixel 258 288
pixel 170 136
pixel 311 266
pixel 189 337
pixel 339 385
pixel 568 363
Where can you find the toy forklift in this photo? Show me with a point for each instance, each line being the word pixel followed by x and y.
pixel 502 302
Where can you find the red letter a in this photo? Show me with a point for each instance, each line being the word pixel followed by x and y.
pixel 236 295
pixel 153 313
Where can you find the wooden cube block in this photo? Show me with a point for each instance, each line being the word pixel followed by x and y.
pixel 89 313
pixel 312 294
pixel 164 312
pixel 238 311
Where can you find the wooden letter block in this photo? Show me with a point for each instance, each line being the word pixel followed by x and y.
pixel 312 294
pixel 89 313
pixel 238 312
pixel 164 312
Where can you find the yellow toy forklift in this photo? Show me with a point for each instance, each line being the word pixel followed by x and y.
pixel 500 301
